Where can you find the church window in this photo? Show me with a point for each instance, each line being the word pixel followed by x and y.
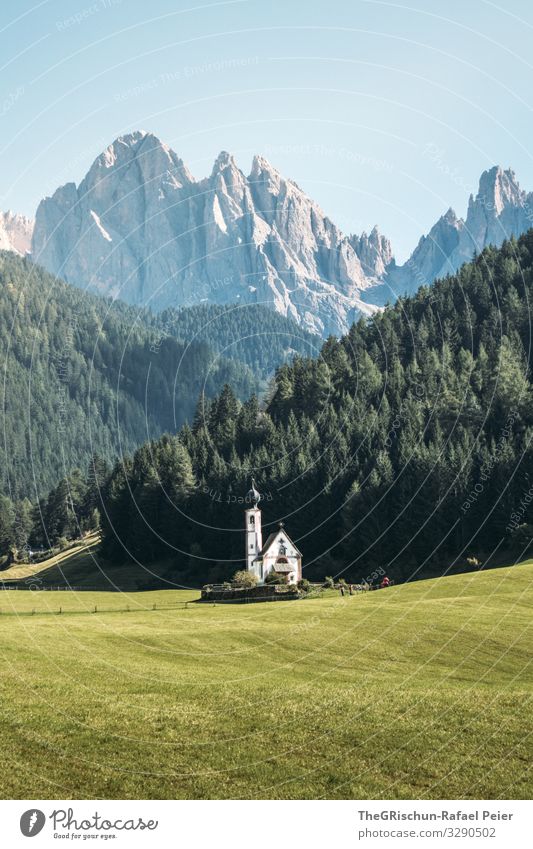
pixel 252 520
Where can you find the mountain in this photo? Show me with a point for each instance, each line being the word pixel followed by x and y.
pixel 499 210
pixel 139 226
pixel 83 374
pixel 15 232
pixel 383 453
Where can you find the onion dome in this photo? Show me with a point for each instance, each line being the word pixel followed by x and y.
pixel 252 496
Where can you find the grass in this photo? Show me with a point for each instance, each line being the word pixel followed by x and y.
pixel 76 559
pixel 418 691
pixel 81 567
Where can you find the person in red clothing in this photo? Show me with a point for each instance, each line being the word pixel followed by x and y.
pixel 385 582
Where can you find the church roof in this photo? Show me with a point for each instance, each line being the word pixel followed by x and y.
pixel 283 567
pixel 272 538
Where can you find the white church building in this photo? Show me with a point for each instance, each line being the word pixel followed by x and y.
pixel 279 554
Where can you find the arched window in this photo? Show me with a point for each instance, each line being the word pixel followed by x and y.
pixel 282 549
pixel 252 520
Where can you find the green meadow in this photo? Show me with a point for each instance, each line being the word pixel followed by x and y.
pixel 418 691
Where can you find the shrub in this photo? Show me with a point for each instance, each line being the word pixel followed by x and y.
pixel 329 582
pixel 288 588
pixel 245 578
pixel 304 585
pixel 62 543
pixel 273 578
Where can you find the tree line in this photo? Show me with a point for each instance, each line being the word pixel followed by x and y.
pixel 405 445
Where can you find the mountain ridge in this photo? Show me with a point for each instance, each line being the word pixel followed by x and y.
pixel 260 235
pixel 140 227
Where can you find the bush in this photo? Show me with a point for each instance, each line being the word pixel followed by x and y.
pixel 273 578
pixel 245 578
pixel 304 585
pixel 63 543
pixel 329 583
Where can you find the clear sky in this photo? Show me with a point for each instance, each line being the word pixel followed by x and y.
pixel 383 112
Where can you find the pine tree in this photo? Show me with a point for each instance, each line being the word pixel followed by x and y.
pixel 7 525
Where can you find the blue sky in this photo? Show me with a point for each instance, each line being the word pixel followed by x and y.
pixel 384 113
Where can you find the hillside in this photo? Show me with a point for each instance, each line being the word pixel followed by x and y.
pixel 82 567
pixel 250 333
pixel 84 375
pixel 420 691
pixel 407 444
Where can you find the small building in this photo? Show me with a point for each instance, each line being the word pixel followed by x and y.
pixel 279 554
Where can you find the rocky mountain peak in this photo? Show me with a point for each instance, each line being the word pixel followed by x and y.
pixel 224 160
pixel 139 226
pixel 266 181
pixel 374 252
pixel 450 217
pixel 262 168
pixel 499 210
pixel 120 149
pixel 430 259
pixel 498 188
pixel 144 152
pixel 15 232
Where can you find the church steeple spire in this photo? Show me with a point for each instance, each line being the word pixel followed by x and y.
pixel 252 496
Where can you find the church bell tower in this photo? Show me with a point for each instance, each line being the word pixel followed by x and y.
pixel 254 537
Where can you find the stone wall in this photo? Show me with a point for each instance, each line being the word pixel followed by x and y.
pixel 265 592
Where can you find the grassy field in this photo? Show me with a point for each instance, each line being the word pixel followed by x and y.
pixel 418 691
pixel 81 567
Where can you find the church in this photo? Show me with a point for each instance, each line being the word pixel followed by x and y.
pixel 279 554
